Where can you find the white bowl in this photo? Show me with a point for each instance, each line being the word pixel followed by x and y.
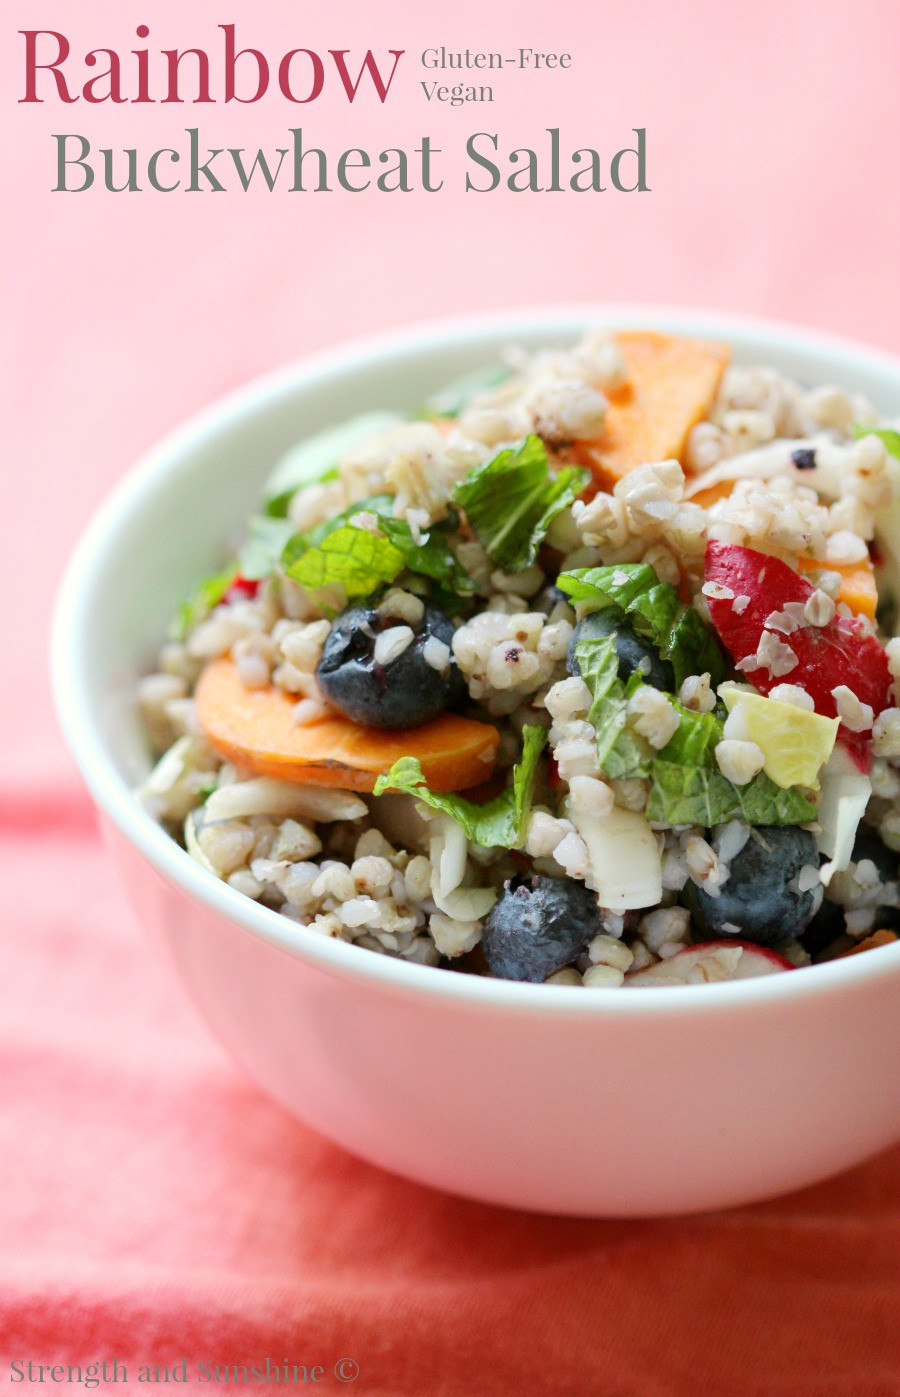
pixel 593 1102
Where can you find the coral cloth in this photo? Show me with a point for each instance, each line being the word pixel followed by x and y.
pixel 156 1207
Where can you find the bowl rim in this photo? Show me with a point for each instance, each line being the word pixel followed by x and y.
pixel 116 801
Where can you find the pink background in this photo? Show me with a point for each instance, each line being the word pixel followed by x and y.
pixel 152 1199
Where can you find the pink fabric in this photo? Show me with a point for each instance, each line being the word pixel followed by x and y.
pixel 154 1205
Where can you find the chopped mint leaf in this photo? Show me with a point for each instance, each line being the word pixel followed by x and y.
pixel 373 504
pixel 687 787
pixel 694 742
pixel 625 585
pixel 277 507
pixel 692 648
pixel 654 611
pixel 316 458
pixel 888 435
pixel 497 824
pixel 511 500
pixel 349 564
pixel 262 548
pixel 620 752
pixel 207 596
pixel 430 553
pixel 701 795
pixel 298 544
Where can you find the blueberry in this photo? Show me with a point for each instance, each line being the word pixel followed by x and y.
pixel 633 651
pixel 538 925
pixel 758 902
pixel 385 692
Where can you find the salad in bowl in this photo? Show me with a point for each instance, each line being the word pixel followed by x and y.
pixel 581 674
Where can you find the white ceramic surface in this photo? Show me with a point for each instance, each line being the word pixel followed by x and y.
pixel 592 1102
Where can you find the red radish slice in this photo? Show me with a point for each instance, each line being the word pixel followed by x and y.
pixel 755 960
pixel 706 963
pixel 841 652
pixel 242 589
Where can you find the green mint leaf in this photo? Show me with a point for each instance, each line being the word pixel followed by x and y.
pixel 620 753
pixel 298 544
pixel 349 564
pixel 373 504
pixel 262 548
pixel 623 585
pixel 277 507
pixel 687 787
pixel 430 554
pixel 497 824
pixel 511 500
pixel 694 742
pixel 693 648
pixel 764 803
pixel 654 611
pixel 701 795
pixel 888 435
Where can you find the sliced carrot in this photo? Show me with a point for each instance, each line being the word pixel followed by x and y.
pixel 672 384
pixel 857 582
pixel 711 493
pixel 255 729
pixel 871 943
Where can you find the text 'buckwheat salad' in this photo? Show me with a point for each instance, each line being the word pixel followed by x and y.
pixel 579 675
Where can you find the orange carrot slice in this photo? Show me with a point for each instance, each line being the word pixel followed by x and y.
pixel 871 943
pixel 672 384
pixel 857 582
pixel 711 493
pixel 255 729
